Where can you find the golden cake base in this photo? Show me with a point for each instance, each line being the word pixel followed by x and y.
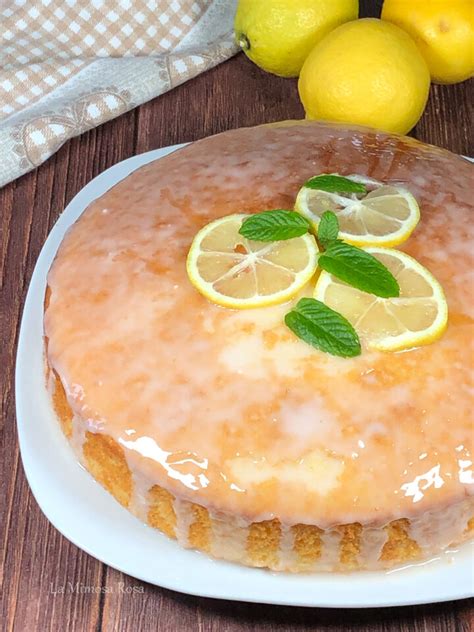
pixel 269 543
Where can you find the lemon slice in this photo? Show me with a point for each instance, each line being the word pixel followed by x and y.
pixel 386 216
pixel 233 271
pixel 417 317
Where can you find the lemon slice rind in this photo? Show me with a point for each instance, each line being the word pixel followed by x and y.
pixel 408 339
pixel 259 253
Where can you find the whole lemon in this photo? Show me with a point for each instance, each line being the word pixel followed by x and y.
pixel 277 35
pixel 366 72
pixel 443 31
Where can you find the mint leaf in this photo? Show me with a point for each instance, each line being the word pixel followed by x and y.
pixel 359 269
pixel 274 225
pixel 335 184
pixel 328 228
pixel 323 328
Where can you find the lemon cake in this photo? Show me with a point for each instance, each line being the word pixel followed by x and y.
pixel 218 426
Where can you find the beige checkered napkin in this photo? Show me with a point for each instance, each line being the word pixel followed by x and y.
pixel 67 66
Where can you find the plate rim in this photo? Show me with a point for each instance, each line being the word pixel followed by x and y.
pixel 24 378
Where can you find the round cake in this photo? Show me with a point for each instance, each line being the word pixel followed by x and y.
pixel 221 428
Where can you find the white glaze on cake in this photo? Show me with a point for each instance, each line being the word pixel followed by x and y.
pixel 184 519
pixel 229 537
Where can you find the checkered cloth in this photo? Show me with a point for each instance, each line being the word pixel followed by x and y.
pixel 69 65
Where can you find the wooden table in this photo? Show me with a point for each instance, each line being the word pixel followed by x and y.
pixel 49 584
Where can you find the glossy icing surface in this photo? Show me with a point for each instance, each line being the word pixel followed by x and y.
pixel 228 409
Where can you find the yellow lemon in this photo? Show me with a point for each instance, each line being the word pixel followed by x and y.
pixel 366 72
pixel 386 216
pixel 239 273
pixel 443 31
pixel 417 317
pixel 278 35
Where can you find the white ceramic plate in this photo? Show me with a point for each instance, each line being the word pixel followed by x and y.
pixel 88 516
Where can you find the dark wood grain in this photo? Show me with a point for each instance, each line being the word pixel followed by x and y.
pixel 37 563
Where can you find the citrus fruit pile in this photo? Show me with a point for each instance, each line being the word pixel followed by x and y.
pixel 373 72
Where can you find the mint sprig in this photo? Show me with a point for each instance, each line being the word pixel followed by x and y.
pixel 328 228
pixel 335 184
pixel 310 320
pixel 359 269
pixel 348 263
pixel 275 225
pixel 323 328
